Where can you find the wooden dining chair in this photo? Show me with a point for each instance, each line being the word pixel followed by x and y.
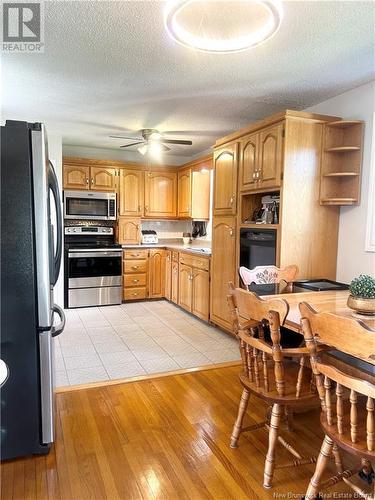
pixel 281 377
pixel 262 275
pixel 268 275
pixel 347 402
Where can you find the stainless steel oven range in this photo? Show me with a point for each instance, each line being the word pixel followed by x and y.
pixel 93 275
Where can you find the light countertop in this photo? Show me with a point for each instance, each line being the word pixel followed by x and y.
pixel 200 248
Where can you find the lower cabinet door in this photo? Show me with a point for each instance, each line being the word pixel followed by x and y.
pixel 185 287
pixel 129 231
pixel 168 274
pixel 201 294
pixel 223 269
pixel 156 270
pixel 174 283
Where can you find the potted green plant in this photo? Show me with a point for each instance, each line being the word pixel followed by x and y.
pixel 362 294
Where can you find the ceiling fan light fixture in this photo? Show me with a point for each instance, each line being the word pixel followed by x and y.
pixel 222 45
pixel 155 136
pixel 155 149
pixel 143 149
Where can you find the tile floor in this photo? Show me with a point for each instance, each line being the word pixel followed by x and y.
pixel 106 343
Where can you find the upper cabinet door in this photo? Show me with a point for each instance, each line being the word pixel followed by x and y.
pixel 129 231
pixel 225 181
pixel 184 194
pixel 249 149
pixel 103 179
pixel 131 192
pixel 270 156
pixel 76 177
pixel 160 194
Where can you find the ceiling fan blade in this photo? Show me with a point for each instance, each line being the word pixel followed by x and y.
pixel 125 137
pixel 132 144
pixel 177 141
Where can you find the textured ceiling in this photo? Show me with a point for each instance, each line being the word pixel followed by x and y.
pixel 110 67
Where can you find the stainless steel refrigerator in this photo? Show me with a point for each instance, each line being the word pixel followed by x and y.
pixel 31 251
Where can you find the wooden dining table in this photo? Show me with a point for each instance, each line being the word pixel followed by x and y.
pixel 328 301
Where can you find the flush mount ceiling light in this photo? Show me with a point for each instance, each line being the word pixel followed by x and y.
pixel 222 26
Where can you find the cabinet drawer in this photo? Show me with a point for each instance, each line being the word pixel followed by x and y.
pixel 134 266
pixel 135 254
pixel 193 261
pixel 134 280
pixel 201 263
pixel 186 259
pixel 135 293
pixel 175 256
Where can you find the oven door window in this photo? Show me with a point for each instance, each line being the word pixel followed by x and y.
pixel 92 267
pixel 79 207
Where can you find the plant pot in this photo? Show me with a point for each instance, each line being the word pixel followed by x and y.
pixel 361 305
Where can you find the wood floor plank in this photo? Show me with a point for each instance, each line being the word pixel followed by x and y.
pixel 162 438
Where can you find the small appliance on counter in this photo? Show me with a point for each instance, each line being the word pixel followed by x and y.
pixel 93 275
pixel 268 213
pixel 149 237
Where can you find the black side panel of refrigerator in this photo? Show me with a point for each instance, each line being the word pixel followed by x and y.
pixel 20 395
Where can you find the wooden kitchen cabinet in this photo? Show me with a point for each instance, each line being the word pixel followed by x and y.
pixel 201 294
pixel 225 180
pixel 129 231
pixel 168 274
pixel 160 194
pixel 249 153
pixel 76 177
pixel 194 194
pixel 135 274
pixel 194 285
pixel 223 269
pixel 270 161
pixel 184 193
pixel 90 177
pixel 261 159
pixel 156 267
pixel 185 287
pixel 131 193
pixel 174 282
pixel 103 179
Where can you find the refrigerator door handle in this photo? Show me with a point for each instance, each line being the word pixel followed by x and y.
pixel 56 330
pixel 54 186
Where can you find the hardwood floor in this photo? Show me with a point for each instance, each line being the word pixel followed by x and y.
pixel 160 438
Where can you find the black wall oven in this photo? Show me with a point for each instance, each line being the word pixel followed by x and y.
pixel 257 247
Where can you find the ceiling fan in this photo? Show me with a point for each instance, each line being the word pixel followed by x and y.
pixel 152 141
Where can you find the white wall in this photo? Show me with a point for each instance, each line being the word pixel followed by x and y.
pixel 120 155
pixel 55 155
pixel 352 258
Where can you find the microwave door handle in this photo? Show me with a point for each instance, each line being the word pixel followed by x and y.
pixel 56 330
pixel 54 186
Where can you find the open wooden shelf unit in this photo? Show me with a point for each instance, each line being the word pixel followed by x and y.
pixel 341 162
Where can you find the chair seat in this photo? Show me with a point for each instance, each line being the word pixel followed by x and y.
pixel 291 369
pixel 343 440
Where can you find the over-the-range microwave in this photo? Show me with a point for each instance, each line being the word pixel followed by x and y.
pixel 89 205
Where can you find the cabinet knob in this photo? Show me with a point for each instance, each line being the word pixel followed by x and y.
pixel 87 180
pixel 146 208
pixel 231 201
pixel 231 231
pixel 135 267
pixel 254 175
pixel 139 208
pixel 135 281
pixel 92 180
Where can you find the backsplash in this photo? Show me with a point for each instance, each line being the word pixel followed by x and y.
pixel 172 229
pixel 167 229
